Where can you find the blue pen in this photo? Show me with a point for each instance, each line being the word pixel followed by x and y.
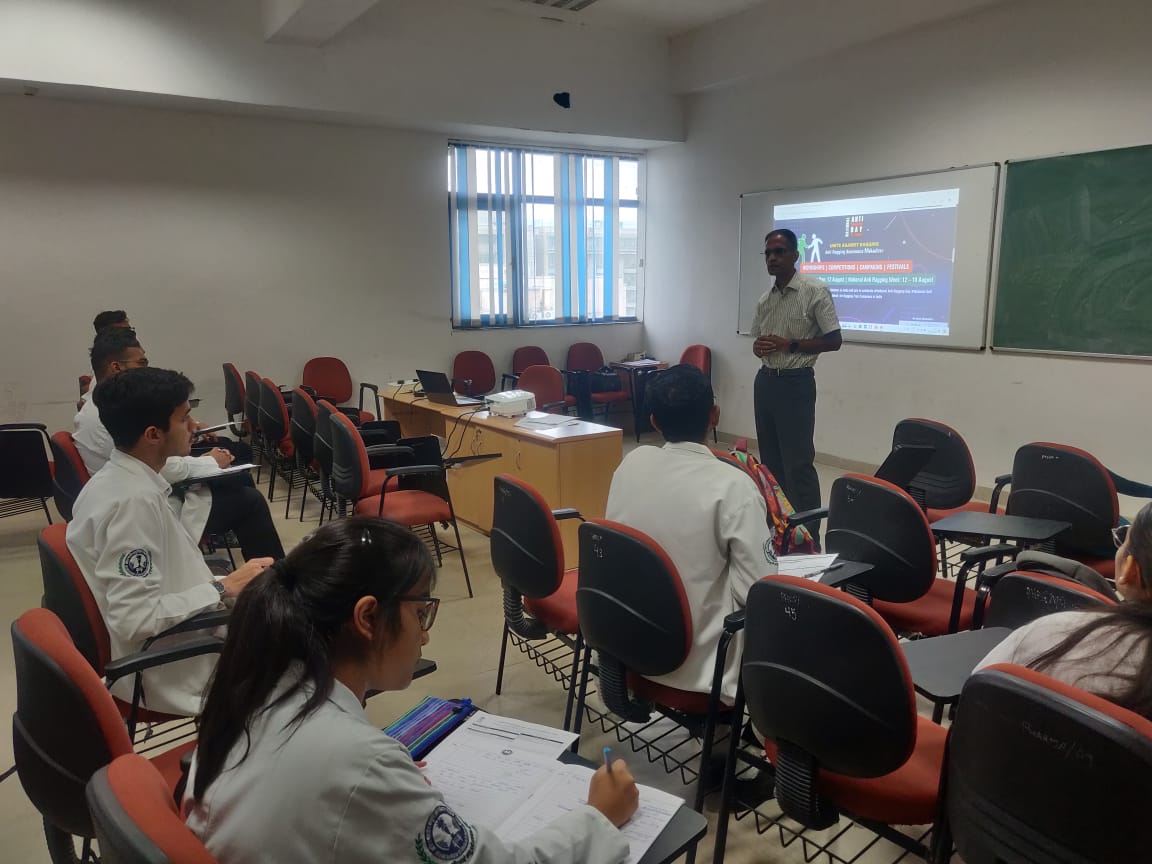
pixel 608 759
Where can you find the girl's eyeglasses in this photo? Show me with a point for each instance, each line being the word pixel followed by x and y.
pixel 426 614
pixel 1119 535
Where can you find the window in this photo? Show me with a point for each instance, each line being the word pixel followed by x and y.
pixel 543 237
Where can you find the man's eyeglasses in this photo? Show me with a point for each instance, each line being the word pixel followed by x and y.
pixel 776 251
pixel 426 614
pixel 1119 535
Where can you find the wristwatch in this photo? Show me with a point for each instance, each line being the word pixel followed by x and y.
pixel 794 346
pixel 218 584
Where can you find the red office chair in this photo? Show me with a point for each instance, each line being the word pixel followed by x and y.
pixel 522 358
pixel 633 611
pixel 69 474
pixel 68 596
pixel 1054 481
pixel 877 523
pixel 699 356
pixel 948 481
pixel 473 373
pixel 25 472
pixel 1021 597
pixel 546 383
pixel 420 497
pixel 276 427
pixel 1040 771
pixel 303 433
pixel 65 728
pixel 585 357
pixel 330 379
pixel 528 556
pixel 135 817
pixel 234 399
pixel 826 683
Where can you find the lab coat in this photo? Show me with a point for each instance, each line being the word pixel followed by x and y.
pixel 337 789
pixel 95 446
pixel 146 574
pixel 711 520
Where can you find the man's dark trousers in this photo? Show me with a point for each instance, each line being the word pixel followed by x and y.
pixel 785 422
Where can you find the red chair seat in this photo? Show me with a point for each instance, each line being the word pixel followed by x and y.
pixel 907 796
pixel 970 507
pixel 168 763
pixel 407 507
pixel 617 396
pixel 687 701
pixel 929 614
pixel 366 417
pixel 377 477
pixel 557 611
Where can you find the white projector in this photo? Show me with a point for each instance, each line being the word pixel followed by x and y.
pixel 511 403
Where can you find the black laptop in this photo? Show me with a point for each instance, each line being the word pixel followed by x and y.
pixel 904 463
pixel 438 389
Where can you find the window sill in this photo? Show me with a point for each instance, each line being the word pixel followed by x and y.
pixel 546 325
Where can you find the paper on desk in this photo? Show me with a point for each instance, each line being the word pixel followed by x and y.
pixel 544 420
pixel 805 566
pixel 568 789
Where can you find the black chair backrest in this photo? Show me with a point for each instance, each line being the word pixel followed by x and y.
pixel 273 413
pixel 1039 771
pixel 25 471
pixel 949 478
pixel 630 600
pixel 303 424
pixel 322 443
pixel 68 596
pixel 527 552
pixel 876 523
pixel 252 400
pixel 1053 481
pixel 1034 561
pixel 233 391
pixel 65 726
pixel 350 466
pixel 67 479
pixel 1022 597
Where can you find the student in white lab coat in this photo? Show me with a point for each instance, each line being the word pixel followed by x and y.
pixel 288 767
pixel 231 504
pixel 144 568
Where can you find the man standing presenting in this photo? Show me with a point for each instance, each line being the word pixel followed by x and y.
pixel 795 321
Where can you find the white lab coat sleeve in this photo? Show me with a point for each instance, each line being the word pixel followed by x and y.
pixel 392 798
pixel 129 572
pixel 179 468
pixel 744 528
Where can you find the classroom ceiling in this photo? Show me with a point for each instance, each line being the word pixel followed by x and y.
pixel 667 17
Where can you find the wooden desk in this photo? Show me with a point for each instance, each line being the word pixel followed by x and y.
pixel 571 466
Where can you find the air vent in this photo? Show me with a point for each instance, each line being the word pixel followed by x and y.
pixel 566 5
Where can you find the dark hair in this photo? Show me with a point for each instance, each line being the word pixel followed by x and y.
pixel 1124 621
pixel 680 399
pixel 136 399
pixel 111 318
pixel 296 611
pixel 789 238
pixel 109 345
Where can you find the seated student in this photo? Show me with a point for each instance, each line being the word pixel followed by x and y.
pixel 289 769
pixel 233 504
pixel 707 514
pixel 1107 651
pixel 144 568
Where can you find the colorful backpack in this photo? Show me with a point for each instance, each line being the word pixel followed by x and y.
pixel 779 507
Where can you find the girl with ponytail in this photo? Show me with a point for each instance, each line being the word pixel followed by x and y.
pixel 289 769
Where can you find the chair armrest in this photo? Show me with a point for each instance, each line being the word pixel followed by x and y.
pixel 514 377
pixel 18 426
pixel 978 554
pixel 414 470
pixel 398 449
pixel 142 660
pixel 1001 481
pixel 734 621
pixel 467 382
pixel 805 516
pixel 567 513
pixel 364 385
pixel 560 404
pixel 209 620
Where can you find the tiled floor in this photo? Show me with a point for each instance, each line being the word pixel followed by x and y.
pixel 465 644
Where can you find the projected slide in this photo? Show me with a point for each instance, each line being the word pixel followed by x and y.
pixel 888 259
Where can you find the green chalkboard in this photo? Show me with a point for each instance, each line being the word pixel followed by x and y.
pixel 1076 255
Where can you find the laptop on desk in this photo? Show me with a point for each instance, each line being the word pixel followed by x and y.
pixel 438 389
pixel 904 463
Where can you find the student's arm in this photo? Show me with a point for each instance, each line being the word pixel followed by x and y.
pixel 129 573
pixel 179 468
pixel 392 814
pixel 748 539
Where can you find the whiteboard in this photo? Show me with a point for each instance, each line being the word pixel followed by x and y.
pixel 967 205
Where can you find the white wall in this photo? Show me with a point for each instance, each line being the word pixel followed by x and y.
pixel 253 241
pixel 1026 79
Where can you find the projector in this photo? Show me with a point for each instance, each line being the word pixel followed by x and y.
pixel 511 403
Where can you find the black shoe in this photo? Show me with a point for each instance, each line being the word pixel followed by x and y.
pixel 751 793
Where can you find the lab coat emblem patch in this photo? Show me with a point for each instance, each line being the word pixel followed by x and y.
pixel 137 563
pixel 446 838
